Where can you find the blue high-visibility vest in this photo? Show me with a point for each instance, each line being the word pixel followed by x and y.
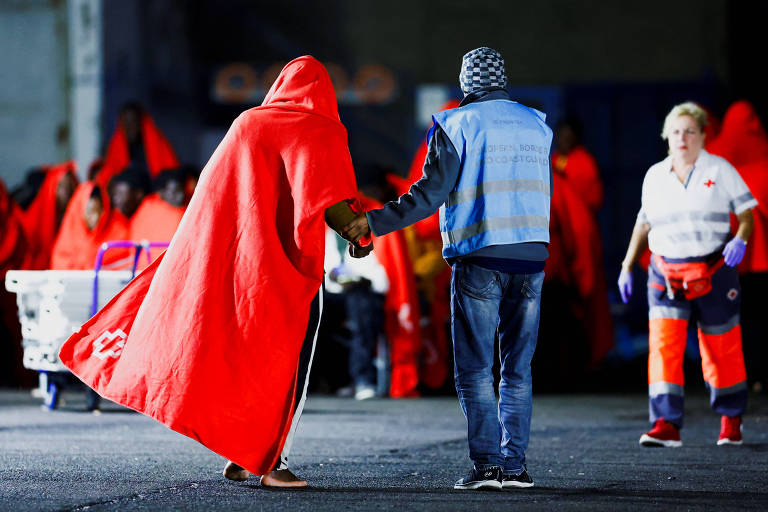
pixel 503 192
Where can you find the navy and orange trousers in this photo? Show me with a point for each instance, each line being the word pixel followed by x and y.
pixel 719 330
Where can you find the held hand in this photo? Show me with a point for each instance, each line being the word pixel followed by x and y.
pixel 625 285
pixel 357 251
pixel 356 229
pixel 734 251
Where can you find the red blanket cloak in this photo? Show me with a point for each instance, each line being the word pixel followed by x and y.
pixel 210 333
pixel 575 259
pixel 156 221
pixel 742 139
pixel 755 260
pixel 429 227
pixel 425 237
pixel 76 246
pixel 743 142
pixel 13 241
pixel 13 247
pixel 580 170
pixel 40 221
pixel 158 151
pixel 401 310
pixel 435 356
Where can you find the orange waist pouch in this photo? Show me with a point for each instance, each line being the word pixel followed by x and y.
pixel 692 279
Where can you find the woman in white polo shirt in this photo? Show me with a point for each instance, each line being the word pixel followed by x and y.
pixel 687 200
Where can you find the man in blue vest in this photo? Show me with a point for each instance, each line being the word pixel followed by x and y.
pixel 488 171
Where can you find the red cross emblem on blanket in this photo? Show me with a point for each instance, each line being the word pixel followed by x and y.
pixel 709 183
pixel 115 339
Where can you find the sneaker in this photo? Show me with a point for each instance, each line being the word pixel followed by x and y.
pixel 509 480
pixel 346 392
pixel 488 478
pixel 663 433
pixel 730 431
pixel 364 392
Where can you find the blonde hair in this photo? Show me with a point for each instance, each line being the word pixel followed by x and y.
pixel 688 108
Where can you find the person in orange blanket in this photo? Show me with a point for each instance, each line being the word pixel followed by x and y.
pixel 43 209
pixel 576 261
pixel 13 242
pixel 743 142
pixel 433 279
pixel 215 338
pixel 137 140
pixel 742 138
pixel 88 222
pixel 94 168
pixel 13 247
pixel 160 213
pixel 401 304
pixel 575 264
pixel 432 274
pixel 128 189
pixel 572 161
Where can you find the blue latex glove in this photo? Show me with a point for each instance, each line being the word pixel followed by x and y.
pixel 625 285
pixel 734 251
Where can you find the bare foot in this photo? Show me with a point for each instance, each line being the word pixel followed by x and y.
pixel 235 472
pixel 282 478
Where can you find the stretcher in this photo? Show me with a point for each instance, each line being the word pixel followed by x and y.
pixel 53 304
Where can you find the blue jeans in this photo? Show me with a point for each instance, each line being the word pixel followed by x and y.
pixel 483 303
pixel 365 315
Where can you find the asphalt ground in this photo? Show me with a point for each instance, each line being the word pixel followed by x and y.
pixel 381 455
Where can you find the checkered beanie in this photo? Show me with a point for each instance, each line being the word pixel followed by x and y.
pixel 482 67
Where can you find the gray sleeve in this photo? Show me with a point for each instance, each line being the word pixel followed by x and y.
pixel 439 177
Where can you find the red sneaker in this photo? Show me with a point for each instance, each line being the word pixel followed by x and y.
pixel 663 433
pixel 730 430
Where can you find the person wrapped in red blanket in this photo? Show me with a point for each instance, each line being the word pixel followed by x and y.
pixel 137 140
pixel 576 165
pixel 160 213
pixel 401 305
pixel 215 338
pixel 13 242
pixel 744 143
pixel 575 264
pixel 43 215
pixel 89 221
pixel 433 277
pixel 13 247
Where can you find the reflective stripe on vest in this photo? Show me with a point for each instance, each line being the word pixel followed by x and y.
pixel 503 192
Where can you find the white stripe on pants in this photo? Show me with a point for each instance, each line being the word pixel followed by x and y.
pixel 302 384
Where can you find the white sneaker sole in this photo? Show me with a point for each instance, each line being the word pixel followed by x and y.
pixel 516 485
pixel 726 441
pixel 485 484
pixel 365 394
pixel 646 440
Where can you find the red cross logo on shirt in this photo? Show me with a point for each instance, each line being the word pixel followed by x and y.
pixel 709 183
